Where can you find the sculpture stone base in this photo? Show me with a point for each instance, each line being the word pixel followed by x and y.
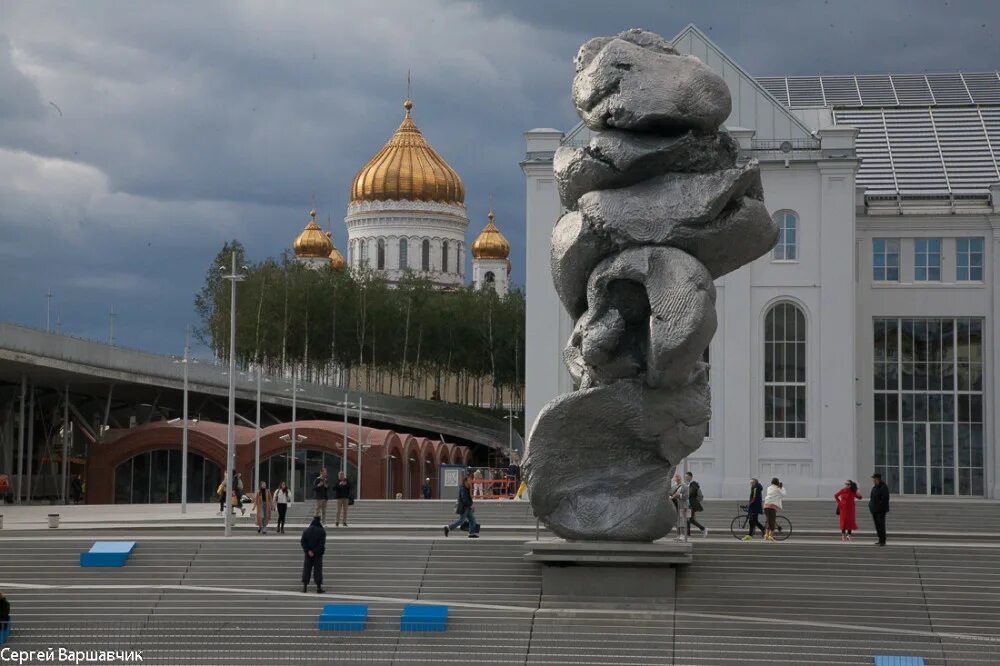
pixel 592 571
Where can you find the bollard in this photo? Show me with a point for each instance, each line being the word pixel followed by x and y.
pixel 53 520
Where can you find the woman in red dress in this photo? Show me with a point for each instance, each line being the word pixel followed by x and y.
pixel 845 508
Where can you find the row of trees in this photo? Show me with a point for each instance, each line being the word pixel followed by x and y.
pixel 352 328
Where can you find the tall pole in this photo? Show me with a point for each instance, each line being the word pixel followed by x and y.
pixel 256 443
pixel 29 493
pixel 510 433
pixel 20 439
pixel 361 447
pixel 231 426
pixel 65 455
pixel 346 405
pixel 111 326
pixel 295 391
pixel 48 310
pixel 184 435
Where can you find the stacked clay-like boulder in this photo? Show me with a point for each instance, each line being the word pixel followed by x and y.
pixel 657 208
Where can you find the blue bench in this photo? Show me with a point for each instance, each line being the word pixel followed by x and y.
pixel 423 617
pixel 107 554
pixel 5 632
pixel 343 617
pixel 898 661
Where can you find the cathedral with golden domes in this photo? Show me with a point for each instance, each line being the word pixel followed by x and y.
pixel 407 215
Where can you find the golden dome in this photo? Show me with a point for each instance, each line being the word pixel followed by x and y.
pixel 407 168
pixel 337 262
pixel 490 243
pixel 312 242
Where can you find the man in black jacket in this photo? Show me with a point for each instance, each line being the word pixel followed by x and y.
pixel 878 504
pixel 313 545
pixel 4 613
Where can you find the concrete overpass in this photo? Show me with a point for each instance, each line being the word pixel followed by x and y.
pixel 110 386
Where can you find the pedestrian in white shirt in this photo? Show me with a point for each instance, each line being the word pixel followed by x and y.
pixel 282 500
pixel 772 504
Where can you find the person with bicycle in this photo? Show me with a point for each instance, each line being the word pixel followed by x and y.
pixel 772 504
pixel 755 507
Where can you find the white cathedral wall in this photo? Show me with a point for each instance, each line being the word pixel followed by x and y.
pixel 415 221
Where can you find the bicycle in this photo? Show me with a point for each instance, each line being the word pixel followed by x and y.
pixel 741 523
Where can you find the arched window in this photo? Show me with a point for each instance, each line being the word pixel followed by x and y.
pixel 444 256
pixel 403 265
pixel 380 254
pixel 362 260
pixel 459 264
pixel 787 247
pixel 155 477
pixel 425 255
pixel 489 278
pixel 785 372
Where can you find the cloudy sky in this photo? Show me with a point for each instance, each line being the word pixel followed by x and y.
pixel 136 137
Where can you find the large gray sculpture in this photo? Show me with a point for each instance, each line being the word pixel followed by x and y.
pixel 657 208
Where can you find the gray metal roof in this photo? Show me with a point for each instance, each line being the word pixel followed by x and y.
pixel 881 90
pixel 920 134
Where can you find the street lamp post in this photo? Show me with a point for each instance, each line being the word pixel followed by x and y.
pixel 256 444
pixel 361 448
pixel 295 393
pixel 184 432
pixel 233 278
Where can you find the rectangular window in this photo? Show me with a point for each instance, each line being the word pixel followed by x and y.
pixel 885 259
pixel 968 259
pixel 927 260
pixel 928 406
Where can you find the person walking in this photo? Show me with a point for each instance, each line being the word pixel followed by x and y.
pixel 772 505
pixel 695 499
pixel 313 546
pixel 321 493
pixel 755 507
pixel 425 490
pixel 466 512
pixel 878 504
pixel 845 509
pixel 262 506
pixel 680 494
pixel 282 499
pixel 238 493
pixel 221 493
pixel 342 493
pixel 76 489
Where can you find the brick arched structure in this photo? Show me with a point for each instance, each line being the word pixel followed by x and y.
pixel 384 450
pixel 427 463
pixel 203 439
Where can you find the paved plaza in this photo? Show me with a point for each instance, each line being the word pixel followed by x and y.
pixel 188 595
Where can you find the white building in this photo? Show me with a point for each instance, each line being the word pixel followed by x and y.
pixel 864 341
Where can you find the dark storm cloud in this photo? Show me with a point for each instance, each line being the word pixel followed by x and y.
pixel 136 137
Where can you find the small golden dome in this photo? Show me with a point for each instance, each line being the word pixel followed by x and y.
pixel 312 242
pixel 337 262
pixel 490 243
pixel 409 169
